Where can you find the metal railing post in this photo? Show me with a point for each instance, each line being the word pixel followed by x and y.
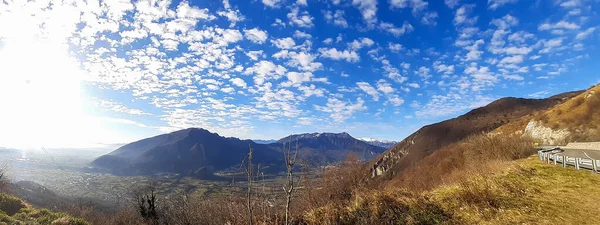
pixel 564 161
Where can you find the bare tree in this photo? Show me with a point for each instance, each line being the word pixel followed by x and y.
pixel 290 160
pixel 146 204
pixel 3 180
pixel 249 172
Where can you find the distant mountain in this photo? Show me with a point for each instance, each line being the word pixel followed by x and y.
pixel 259 141
pixel 434 137
pixel 198 152
pixel 191 151
pixel 330 147
pixel 381 143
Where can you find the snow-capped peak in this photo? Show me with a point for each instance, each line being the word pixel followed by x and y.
pixel 367 139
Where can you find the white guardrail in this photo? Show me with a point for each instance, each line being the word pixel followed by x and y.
pixel 554 156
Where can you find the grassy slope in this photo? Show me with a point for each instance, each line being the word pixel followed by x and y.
pixel 580 115
pixel 15 211
pixel 525 191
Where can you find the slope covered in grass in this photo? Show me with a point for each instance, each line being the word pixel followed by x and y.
pixel 525 191
pixel 580 115
pixel 14 211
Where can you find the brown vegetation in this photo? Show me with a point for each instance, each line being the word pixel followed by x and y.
pixel 580 115
pixel 476 154
pixel 444 135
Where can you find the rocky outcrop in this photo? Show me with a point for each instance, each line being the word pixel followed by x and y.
pixel 546 135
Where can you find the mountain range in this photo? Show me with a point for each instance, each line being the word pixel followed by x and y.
pixel 198 152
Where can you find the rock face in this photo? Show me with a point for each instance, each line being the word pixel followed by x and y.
pixel 546 135
pixel 584 145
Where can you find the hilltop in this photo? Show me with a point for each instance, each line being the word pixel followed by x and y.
pixel 432 138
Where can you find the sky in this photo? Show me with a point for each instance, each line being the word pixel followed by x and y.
pixel 76 73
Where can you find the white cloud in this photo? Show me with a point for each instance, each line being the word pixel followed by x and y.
pixel 265 70
pixel 328 41
pixel 396 31
pixel 284 43
pixel 300 34
pixel 517 50
pixel 336 18
pixel 385 87
pixel 474 52
pixel 184 10
pixel 300 19
pixel 255 35
pixel 238 82
pixel 452 3
pixel 584 34
pixel 370 90
pixel 494 4
pixel 271 3
pixel 394 47
pixel 442 68
pixel 396 101
pixel 360 43
pixel 255 55
pixel 559 25
pixel 570 3
pixel 368 9
pixel 298 78
pixel 416 5
pixel 301 2
pixel 423 72
pixel 429 18
pixel 333 53
pixel 462 15
pixel 512 59
pixel 118 107
pixel 340 111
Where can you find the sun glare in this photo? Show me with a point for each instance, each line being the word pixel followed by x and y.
pixel 39 91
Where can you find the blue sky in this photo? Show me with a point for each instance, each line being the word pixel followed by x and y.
pixel 116 71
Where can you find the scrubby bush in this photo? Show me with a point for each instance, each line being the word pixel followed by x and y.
pixel 374 207
pixel 9 204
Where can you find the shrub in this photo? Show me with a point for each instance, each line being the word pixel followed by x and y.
pixel 372 207
pixel 5 218
pixel 9 204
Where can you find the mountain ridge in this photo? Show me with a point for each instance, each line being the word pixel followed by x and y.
pixel 196 151
pixel 433 137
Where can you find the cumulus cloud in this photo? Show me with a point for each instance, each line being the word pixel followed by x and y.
pixel 255 35
pixel 333 53
pixel 238 82
pixel 271 3
pixel 559 25
pixel 494 4
pixel 339 110
pixel 302 19
pixel 584 34
pixel 336 18
pixel 284 43
pixel 396 31
pixel 368 9
pixel 370 90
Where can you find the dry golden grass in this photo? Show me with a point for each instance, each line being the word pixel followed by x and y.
pixel 525 191
pixel 580 115
pixel 475 154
